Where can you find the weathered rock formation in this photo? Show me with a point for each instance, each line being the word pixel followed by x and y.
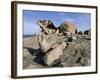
pixel 61 48
pixel 47 26
pixel 47 41
pixel 87 32
pixel 80 32
pixel 68 26
pixel 54 53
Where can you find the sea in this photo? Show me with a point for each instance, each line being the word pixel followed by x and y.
pixel 27 36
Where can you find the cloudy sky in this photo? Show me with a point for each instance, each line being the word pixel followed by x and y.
pixel 82 20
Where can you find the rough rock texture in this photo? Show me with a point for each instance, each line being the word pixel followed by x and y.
pixel 76 53
pixel 48 41
pixel 63 49
pixel 47 26
pixel 54 54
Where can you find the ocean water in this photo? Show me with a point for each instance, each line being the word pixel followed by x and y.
pixel 27 36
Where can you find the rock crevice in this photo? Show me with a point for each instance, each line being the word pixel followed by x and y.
pixel 61 46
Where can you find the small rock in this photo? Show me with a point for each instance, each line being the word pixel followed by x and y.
pixel 87 32
pixel 74 38
pixel 80 32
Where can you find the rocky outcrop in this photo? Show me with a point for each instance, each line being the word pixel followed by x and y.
pixel 54 53
pixel 77 53
pixel 68 26
pixel 47 26
pixel 61 48
pixel 87 32
pixel 47 41
pixel 80 32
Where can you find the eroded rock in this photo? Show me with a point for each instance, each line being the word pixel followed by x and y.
pixel 69 27
pixel 47 26
pixel 80 32
pixel 54 54
pixel 57 46
pixel 87 32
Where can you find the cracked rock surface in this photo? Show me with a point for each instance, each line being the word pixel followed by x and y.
pixel 57 47
pixel 76 53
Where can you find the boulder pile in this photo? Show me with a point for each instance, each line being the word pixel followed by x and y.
pixel 61 46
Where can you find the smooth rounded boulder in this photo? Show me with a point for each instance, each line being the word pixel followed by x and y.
pixel 68 26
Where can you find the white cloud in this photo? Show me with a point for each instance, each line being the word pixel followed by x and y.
pixel 69 19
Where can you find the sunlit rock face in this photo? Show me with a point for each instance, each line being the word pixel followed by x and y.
pixel 47 26
pixel 58 46
pixel 68 26
pixel 55 53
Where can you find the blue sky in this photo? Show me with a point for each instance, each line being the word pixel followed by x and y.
pixel 82 20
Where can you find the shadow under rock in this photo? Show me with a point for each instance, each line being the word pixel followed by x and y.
pixel 36 52
pixel 39 60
